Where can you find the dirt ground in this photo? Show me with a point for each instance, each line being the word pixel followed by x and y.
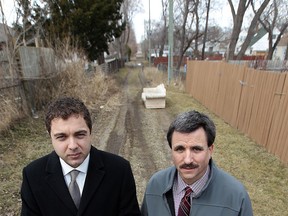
pixel 127 128
pixel 122 125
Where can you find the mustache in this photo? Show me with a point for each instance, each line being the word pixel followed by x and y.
pixel 189 166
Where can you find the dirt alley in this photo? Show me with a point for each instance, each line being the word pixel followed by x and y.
pixel 125 127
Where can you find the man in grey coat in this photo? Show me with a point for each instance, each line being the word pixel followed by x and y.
pixel 194 185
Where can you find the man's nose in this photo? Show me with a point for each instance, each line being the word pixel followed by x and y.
pixel 72 143
pixel 188 157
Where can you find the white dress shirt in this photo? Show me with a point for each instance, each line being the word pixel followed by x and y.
pixel 66 169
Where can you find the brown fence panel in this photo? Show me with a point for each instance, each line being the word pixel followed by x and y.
pixel 246 99
pixel 267 94
pixel 194 77
pixel 202 86
pixel 278 141
pixel 189 77
pixel 253 101
pixel 279 108
pixel 210 75
pixel 220 93
pixel 238 75
pixel 230 91
pixel 37 63
pixel 255 129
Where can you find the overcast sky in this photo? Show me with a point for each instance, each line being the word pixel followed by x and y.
pixel 9 11
pixel 155 14
pixel 222 16
pixel 138 21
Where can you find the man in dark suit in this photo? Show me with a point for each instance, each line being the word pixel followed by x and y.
pixel 104 184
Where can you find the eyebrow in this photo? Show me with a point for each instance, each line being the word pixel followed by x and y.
pixel 59 134
pixel 77 132
pixel 81 131
pixel 195 146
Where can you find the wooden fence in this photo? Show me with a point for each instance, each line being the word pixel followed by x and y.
pixel 253 101
pixel 21 78
pixel 27 79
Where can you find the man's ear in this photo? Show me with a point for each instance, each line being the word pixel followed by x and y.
pixel 211 149
pixel 48 133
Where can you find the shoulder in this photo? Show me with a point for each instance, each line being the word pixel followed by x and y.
pixel 39 168
pixel 40 163
pixel 162 180
pixel 164 174
pixel 108 158
pixel 226 180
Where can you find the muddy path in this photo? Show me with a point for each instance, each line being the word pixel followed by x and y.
pixel 126 128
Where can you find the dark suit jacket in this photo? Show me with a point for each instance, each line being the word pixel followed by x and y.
pixel 109 188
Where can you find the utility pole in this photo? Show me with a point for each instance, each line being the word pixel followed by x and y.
pixel 149 37
pixel 170 41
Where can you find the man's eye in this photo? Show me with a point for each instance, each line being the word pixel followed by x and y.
pixel 81 135
pixel 61 138
pixel 197 149
pixel 179 149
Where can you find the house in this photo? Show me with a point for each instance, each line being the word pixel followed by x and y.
pixel 259 44
pixel 281 49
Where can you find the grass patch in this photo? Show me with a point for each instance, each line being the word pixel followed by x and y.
pixel 25 141
pixel 264 176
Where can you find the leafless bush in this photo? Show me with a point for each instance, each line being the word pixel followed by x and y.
pixel 156 77
pixel 75 79
pixel 89 86
pixel 9 109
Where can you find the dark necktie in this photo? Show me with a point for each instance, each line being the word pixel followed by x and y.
pixel 74 188
pixel 185 205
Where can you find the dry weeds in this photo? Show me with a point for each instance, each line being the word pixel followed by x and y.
pixel 9 109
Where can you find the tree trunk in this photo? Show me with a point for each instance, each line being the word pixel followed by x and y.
pixel 182 36
pixel 196 52
pixel 164 32
pixel 163 40
pixel 205 32
pixel 237 24
pixel 251 30
pixel 101 59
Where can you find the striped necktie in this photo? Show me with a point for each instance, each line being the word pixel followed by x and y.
pixel 185 205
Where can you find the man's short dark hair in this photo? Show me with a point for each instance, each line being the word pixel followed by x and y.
pixel 190 121
pixel 64 108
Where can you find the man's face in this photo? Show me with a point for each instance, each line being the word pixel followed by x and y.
pixel 71 139
pixel 190 154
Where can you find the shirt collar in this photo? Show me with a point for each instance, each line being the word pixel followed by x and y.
pixel 196 186
pixel 66 168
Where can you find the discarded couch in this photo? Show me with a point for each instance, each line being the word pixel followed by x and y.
pixel 154 97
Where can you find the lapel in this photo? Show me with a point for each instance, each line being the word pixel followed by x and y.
pixel 95 174
pixel 55 180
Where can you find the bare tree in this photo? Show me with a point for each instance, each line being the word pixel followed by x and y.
pixel 8 41
pixel 252 28
pixel 274 18
pixel 129 9
pixel 197 30
pixel 206 29
pixel 186 27
pixel 237 25
pixel 164 31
